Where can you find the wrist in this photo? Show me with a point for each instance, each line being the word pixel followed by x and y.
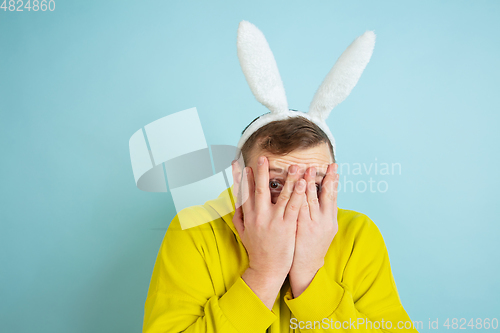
pixel 266 277
pixel 306 269
pixel 300 279
pixel 265 285
pixel 269 271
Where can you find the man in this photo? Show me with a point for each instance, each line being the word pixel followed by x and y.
pixel 286 259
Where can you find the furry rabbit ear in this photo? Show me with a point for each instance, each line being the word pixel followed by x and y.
pixel 344 75
pixel 260 69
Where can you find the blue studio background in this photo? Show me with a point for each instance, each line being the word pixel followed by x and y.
pixel 79 240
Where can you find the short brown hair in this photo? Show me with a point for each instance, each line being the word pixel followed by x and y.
pixel 280 137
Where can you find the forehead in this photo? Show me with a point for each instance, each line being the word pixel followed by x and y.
pixel 319 157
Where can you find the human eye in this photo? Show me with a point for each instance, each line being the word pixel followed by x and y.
pixel 275 185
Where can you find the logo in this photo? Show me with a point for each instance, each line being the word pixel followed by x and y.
pixel 171 154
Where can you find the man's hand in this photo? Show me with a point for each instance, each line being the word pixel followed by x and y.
pixel 316 227
pixel 267 230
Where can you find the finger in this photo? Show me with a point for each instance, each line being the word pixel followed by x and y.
pixel 328 196
pixel 312 194
pixel 336 191
pixel 262 192
pixel 247 192
pixel 238 221
pixel 304 212
pixel 286 192
pixel 295 202
pixel 236 170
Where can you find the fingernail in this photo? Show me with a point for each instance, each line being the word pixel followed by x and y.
pixel 261 160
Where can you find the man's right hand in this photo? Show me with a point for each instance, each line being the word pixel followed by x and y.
pixel 267 230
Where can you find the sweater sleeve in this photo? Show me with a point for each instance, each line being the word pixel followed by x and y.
pixel 182 297
pixel 366 299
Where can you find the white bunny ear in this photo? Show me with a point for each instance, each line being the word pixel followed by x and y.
pixel 260 69
pixel 344 75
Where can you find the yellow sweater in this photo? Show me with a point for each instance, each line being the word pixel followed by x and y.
pixel 197 287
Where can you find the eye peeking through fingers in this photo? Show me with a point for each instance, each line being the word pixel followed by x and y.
pixel 276 186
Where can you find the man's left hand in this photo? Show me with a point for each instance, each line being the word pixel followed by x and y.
pixel 316 227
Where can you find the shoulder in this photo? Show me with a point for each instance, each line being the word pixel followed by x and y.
pixel 198 225
pixel 353 224
pixel 213 214
pixel 190 227
pixel 354 219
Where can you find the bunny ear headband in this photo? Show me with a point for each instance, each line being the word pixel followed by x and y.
pixel 260 69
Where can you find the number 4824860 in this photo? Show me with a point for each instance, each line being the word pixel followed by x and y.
pixel 35 5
